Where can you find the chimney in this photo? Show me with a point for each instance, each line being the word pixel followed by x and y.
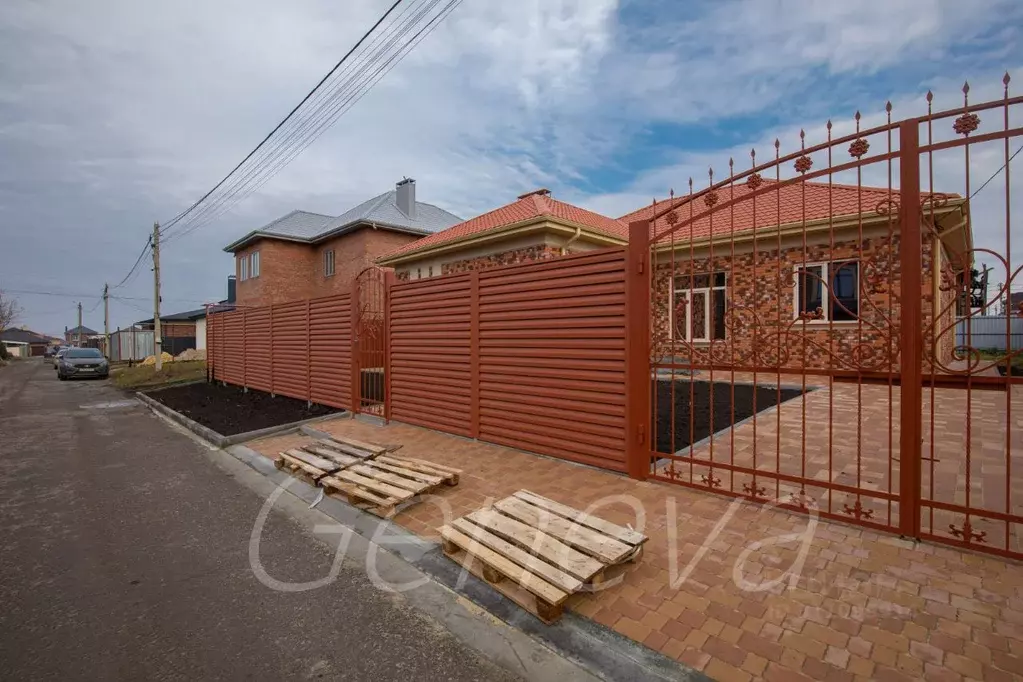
pixel 232 283
pixel 406 198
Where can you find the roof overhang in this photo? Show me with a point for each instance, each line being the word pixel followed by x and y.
pixel 256 235
pixel 533 224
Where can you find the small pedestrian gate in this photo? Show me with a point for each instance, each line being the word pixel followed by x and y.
pixel 815 298
pixel 369 341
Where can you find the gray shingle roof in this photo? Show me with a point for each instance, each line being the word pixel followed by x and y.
pixel 85 331
pixel 381 210
pixel 23 336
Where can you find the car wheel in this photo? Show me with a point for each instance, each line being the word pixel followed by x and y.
pixel 61 376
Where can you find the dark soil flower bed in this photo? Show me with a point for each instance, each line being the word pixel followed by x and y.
pixel 693 411
pixel 229 410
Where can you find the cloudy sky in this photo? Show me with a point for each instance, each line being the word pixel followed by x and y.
pixel 118 113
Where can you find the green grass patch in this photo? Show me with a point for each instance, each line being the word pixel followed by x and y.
pixel 987 355
pixel 146 377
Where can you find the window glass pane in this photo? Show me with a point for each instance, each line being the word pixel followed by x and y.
pixel 699 308
pixel 810 289
pixel 719 279
pixel 718 314
pixel 844 293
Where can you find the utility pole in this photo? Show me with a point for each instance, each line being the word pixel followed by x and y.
pixel 106 320
pixel 79 324
pixel 157 340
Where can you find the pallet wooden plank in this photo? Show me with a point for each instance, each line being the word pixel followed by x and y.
pixel 346 450
pixel 374 485
pixel 626 535
pixel 378 463
pixel 536 585
pixel 546 547
pixel 288 458
pixel 361 493
pixel 312 459
pixel 414 487
pixel 371 448
pixel 602 547
pixel 338 458
pixel 551 574
pixel 425 467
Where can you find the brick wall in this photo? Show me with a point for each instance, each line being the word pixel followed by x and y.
pixel 291 271
pixel 760 326
pixel 522 255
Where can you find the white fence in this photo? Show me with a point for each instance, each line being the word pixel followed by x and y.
pixel 989 332
pixel 131 344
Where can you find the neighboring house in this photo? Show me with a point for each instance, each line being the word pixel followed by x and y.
pixel 303 255
pixel 534 227
pixel 740 273
pixel 32 343
pixel 75 334
pixel 178 331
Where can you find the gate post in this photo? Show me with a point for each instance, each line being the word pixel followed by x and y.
pixel 637 350
pixel 910 331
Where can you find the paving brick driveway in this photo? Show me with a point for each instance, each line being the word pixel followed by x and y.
pixel 865 606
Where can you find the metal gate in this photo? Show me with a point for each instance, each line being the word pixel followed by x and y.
pixel 369 342
pixel 792 328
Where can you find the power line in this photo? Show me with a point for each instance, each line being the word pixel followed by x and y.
pixel 283 150
pixel 342 96
pixel 997 172
pixel 38 292
pixel 145 250
pixel 248 156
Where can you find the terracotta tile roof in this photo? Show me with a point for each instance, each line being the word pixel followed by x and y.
pixel 528 206
pixel 789 204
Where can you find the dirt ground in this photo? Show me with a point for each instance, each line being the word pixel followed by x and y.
pixel 229 410
pixel 694 420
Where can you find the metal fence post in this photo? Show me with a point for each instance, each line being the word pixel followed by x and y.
pixel 270 349
pixel 389 280
pixel 910 330
pixel 474 354
pixel 353 342
pixel 308 356
pixel 637 350
pixel 245 348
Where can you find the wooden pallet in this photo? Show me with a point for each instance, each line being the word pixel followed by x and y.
pixel 367 475
pixel 539 552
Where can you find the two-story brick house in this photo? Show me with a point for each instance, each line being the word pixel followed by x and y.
pixel 304 255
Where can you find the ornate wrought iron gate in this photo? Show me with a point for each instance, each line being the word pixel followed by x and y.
pixel 792 328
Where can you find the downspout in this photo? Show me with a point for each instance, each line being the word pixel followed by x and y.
pixel 564 249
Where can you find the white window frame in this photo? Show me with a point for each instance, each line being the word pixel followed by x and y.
pixel 329 263
pixel 825 267
pixel 254 265
pixel 243 268
pixel 690 293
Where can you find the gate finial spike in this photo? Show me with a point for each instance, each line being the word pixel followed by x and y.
pixel 829 125
pixel 888 106
pixel 966 87
pixel 1005 82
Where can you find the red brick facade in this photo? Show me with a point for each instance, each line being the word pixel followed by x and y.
pixel 760 326
pixel 291 271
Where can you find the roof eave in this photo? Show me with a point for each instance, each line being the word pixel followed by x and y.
pixel 257 235
pixel 495 233
pixel 361 223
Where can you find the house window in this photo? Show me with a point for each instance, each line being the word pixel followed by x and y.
pixel 430 273
pixel 698 309
pixel 328 263
pixel 243 268
pixel 828 291
pixel 419 273
pixel 254 264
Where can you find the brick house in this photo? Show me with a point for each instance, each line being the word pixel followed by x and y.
pixel 741 288
pixel 304 255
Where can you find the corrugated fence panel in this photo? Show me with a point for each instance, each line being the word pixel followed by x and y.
pixel 990 332
pixel 231 332
pixel 429 346
pixel 552 357
pixel 257 348
pixel 290 349
pixel 330 350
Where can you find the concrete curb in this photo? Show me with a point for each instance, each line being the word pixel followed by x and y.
pixel 217 439
pixel 597 649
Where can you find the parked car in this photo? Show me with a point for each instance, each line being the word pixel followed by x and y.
pixel 82 362
pixel 58 355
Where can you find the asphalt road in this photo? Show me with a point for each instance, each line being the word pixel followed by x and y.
pixel 124 554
